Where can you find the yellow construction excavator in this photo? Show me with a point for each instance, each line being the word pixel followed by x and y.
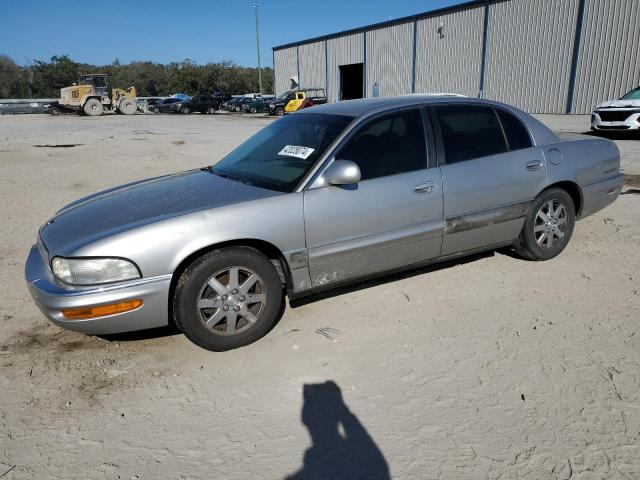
pixel 92 97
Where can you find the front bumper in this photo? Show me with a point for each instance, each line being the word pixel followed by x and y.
pixel 631 122
pixel 51 297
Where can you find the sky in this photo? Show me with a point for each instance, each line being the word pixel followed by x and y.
pixel 170 30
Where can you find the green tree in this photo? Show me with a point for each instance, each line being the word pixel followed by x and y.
pixel 46 78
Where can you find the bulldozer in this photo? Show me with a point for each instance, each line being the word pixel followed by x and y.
pixel 91 96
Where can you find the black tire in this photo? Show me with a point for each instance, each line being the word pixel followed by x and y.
pixel 194 284
pixel 155 110
pixel 237 109
pixel 93 107
pixel 532 242
pixel 279 111
pixel 253 110
pixel 185 110
pixel 54 111
pixel 211 110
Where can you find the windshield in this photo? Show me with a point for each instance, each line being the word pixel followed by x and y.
pixel 278 156
pixel 632 95
pixel 285 95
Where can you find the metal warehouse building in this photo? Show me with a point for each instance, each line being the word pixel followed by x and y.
pixel 544 56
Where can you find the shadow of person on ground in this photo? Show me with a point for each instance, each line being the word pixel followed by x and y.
pixel 342 448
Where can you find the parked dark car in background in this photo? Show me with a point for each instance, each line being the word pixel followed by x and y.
pixel 198 103
pixel 255 105
pixel 235 105
pixel 146 103
pixel 164 106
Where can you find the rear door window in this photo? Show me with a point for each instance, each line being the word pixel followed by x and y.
pixel 469 131
pixel 517 135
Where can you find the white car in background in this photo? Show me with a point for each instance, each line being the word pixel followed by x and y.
pixel 622 114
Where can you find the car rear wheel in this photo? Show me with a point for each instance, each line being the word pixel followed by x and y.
pixel 211 110
pixel 548 226
pixel 228 298
pixel 185 110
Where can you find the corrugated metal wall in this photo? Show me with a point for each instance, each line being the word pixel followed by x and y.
pixel 286 65
pixel 312 63
pixel 609 61
pixel 390 59
pixel 529 52
pixel 451 62
pixel 342 51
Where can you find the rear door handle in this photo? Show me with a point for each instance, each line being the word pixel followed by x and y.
pixel 426 187
pixel 534 165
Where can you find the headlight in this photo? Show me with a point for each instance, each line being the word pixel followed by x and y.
pixel 92 271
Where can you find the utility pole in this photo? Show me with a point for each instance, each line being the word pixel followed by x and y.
pixel 255 7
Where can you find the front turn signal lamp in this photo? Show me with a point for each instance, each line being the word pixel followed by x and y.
pixel 85 313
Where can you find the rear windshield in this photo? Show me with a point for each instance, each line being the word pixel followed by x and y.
pixel 281 154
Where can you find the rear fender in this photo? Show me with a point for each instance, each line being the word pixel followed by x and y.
pixel 592 164
pixel 582 161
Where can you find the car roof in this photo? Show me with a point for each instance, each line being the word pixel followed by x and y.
pixel 367 106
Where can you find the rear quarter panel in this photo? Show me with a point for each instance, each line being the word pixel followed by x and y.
pixel 592 164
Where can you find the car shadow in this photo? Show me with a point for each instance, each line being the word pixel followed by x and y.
pixel 160 332
pixel 341 446
pixel 393 277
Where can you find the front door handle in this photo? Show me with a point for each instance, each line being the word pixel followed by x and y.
pixel 534 165
pixel 426 187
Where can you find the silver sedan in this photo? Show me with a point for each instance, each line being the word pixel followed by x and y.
pixel 323 197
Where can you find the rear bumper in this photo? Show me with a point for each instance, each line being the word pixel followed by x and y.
pixel 51 298
pixel 600 195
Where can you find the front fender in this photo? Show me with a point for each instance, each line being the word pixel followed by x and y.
pixel 158 248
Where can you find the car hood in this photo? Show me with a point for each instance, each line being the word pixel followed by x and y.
pixel 619 104
pixel 136 204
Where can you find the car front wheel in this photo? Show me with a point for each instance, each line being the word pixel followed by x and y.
pixel 228 298
pixel 548 226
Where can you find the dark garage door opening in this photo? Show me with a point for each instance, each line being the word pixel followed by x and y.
pixel 351 80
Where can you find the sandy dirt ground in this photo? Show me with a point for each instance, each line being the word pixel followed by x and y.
pixel 492 367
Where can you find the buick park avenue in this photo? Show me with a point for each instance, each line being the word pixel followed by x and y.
pixel 326 196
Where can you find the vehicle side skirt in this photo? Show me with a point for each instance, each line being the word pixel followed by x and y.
pixel 300 298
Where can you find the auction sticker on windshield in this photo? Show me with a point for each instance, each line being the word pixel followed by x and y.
pixel 296 151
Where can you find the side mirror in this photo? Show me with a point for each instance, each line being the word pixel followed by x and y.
pixel 342 172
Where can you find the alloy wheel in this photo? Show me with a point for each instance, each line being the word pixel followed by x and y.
pixel 550 224
pixel 231 300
